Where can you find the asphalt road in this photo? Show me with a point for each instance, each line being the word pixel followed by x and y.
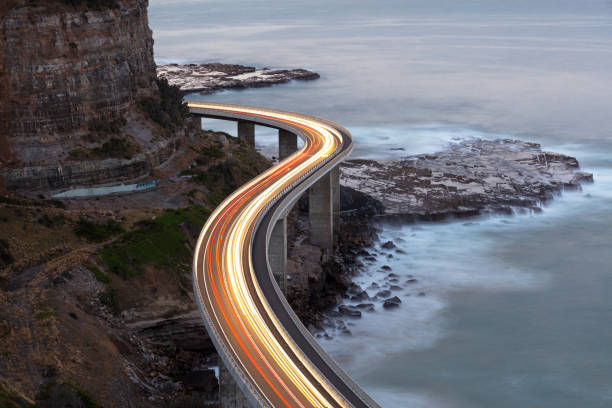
pixel 272 356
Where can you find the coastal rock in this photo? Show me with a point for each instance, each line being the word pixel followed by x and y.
pixel 363 295
pixel 368 307
pixel 388 245
pixel 185 332
pixel 350 311
pixel 383 293
pixel 468 178
pixel 392 302
pixel 87 173
pixel 208 78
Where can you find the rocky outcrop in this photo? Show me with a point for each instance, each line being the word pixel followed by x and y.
pixel 61 67
pixel 208 78
pixel 185 332
pixel 470 177
pixel 85 173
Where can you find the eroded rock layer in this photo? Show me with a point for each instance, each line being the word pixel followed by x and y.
pixel 62 66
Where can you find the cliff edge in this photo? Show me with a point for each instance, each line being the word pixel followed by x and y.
pixel 73 76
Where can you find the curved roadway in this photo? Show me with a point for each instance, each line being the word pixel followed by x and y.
pixel 273 358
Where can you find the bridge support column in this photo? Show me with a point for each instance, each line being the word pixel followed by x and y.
pixel 277 253
pixel 230 395
pixel 335 182
pixel 321 213
pixel 198 121
pixel 287 144
pixel 246 131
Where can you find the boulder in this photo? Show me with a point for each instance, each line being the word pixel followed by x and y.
pixel 392 302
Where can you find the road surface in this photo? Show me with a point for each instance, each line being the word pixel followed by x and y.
pixel 273 358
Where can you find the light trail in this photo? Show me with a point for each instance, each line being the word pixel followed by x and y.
pixel 272 356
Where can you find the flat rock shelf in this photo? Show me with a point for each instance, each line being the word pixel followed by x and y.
pixel 470 177
pixel 209 78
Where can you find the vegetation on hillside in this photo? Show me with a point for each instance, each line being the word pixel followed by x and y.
pixel 113 148
pixel 158 242
pixel 106 126
pixel 97 232
pixel 53 394
pixel 167 107
pixel 221 178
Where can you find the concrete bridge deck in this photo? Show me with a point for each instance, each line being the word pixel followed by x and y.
pixel 272 357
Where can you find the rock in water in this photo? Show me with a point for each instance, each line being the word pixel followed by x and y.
pixel 349 311
pixel 208 78
pixel 388 245
pixel 470 177
pixel 392 302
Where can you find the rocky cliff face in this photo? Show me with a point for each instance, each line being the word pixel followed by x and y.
pixel 62 66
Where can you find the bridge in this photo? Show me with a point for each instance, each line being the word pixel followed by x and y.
pixel 239 266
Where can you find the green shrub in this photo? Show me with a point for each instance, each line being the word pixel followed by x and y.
pixel 167 108
pixel 95 232
pixel 55 395
pixel 106 126
pixel 115 147
pixel 51 222
pixel 109 299
pixel 100 276
pixel 209 154
pixel 46 313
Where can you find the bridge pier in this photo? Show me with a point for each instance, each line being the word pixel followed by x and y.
pixel 287 144
pixel 230 395
pixel 277 253
pixel 321 212
pixel 335 181
pixel 246 131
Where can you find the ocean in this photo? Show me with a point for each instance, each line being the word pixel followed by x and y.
pixel 516 310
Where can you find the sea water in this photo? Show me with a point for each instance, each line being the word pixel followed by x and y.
pixel 515 311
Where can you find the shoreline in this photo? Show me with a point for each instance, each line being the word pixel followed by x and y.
pixel 543 181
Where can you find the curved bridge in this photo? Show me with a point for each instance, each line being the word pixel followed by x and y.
pixel 271 355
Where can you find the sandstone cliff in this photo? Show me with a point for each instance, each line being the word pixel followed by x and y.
pixel 64 67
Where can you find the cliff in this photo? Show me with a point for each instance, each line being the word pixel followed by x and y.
pixel 65 65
